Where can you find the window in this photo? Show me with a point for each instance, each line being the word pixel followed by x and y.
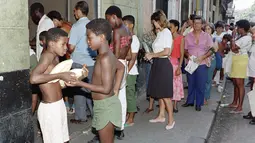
pixel 214 2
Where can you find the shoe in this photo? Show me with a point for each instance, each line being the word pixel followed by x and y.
pixel 198 108
pixel 157 120
pixel 175 110
pixel 187 105
pixel 248 116
pixel 94 140
pixel 169 127
pixel 236 112
pixel 120 135
pixel 128 125
pixel 252 122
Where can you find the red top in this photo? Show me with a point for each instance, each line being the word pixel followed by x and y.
pixel 124 42
pixel 176 52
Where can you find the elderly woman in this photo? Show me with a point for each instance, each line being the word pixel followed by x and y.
pixel 199 44
pixel 160 84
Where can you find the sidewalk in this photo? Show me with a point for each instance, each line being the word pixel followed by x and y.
pixel 232 128
pixel 191 126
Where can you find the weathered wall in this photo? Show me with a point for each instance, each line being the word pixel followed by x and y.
pixel 15 96
pixel 64 9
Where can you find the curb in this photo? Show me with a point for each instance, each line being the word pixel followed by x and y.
pixel 213 122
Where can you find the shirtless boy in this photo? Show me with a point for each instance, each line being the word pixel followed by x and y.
pixel 106 81
pixel 51 112
pixel 120 46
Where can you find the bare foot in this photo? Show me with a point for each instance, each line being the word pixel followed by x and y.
pixel 238 109
pixel 232 105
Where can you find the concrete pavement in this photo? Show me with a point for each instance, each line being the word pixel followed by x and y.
pixel 191 126
pixel 232 128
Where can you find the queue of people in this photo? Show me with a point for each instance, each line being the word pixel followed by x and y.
pixel 108 50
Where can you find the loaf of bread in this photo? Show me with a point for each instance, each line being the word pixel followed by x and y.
pixel 64 66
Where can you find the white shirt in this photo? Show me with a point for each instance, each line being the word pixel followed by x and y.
pixel 218 38
pixel 229 32
pixel 244 43
pixel 164 40
pixel 187 31
pixel 135 45
pixel 44 25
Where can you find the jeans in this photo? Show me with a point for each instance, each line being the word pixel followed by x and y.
pixel 197 82
pixel 209 79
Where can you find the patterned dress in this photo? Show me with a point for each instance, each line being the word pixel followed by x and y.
pixel 178 91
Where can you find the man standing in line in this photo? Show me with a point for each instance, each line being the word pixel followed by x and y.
pixel 44 24
pixel 81 54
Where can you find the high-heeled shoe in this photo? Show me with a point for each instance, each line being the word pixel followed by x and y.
pixel 248 116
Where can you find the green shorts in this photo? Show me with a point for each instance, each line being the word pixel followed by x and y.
pixel 105 111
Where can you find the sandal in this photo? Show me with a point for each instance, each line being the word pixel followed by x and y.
pixel 74 121
pixel 148 110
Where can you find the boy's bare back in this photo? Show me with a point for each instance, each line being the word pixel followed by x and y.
pixel 104 71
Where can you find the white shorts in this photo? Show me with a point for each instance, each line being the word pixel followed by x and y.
pixel 53 122
pixel 122 95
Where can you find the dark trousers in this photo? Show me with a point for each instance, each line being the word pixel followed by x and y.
pixel 197 85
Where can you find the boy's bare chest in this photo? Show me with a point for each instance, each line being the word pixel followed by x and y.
pixel 97 74
pixel 51 66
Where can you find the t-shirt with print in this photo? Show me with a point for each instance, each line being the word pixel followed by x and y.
pixel 135 45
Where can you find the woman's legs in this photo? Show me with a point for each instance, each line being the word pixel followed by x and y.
pixel 234 104
pixel 240 85
pixel 169 108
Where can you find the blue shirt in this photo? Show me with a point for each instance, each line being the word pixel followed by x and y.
pixel 82 54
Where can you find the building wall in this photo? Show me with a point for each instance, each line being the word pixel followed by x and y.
pixel 141 10
pixel 65 8
pixel 16 123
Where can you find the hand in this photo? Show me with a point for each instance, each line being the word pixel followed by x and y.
pixel 178 71
pixel 86 71
pixel 185 25
pixel 68 77
pixel 199 60
pixel 148 56
pixel 116 92
pixel 74 83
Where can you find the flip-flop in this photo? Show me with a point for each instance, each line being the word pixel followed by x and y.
pixel 128 125
pixel 236 112
pixel 77 121
pixel 148 110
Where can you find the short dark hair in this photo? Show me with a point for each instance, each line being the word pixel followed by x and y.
pixel 36 7
pixel 114 10
pixel 198 18
pixel 83 6
pixel 130 19
pixel 245 24
pixel 227 37
pixel 219 24
pixel 54 15
pixel 192 17
pixel 54 34
pixel 100 26
pixel 175 23
pixel 42 35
